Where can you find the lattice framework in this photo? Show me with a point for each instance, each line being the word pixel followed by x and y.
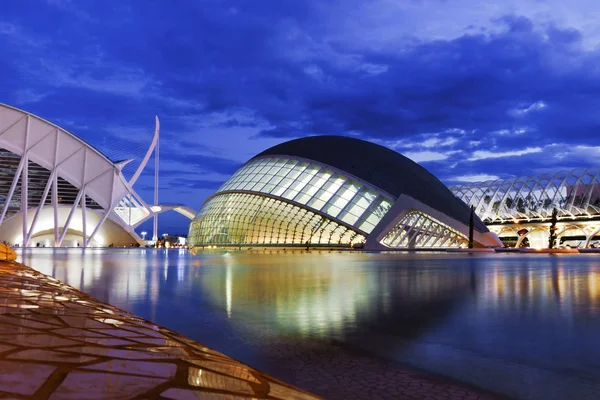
pixel 419 230
pixel 252 219
pixel 574 193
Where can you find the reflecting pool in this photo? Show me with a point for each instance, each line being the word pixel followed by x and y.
pixel 526 326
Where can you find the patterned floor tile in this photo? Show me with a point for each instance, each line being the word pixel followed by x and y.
pixel 59 343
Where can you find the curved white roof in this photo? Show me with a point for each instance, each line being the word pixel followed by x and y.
pixel 54 148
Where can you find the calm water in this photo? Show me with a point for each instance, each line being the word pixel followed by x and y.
pixel 527 326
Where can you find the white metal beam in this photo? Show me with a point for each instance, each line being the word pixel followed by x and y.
pixel 25 181
pixel 68 222
pixel 39 208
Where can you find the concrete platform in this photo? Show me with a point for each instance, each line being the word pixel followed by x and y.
pixel 59 343
pixel 549 251
pixel 473 251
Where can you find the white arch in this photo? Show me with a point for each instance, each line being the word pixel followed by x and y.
pixel 93 225
pixel 186 211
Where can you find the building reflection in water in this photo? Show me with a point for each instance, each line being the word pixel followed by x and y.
pixel 324 292
pixel 322 295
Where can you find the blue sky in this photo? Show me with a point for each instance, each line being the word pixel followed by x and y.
pixel 470 90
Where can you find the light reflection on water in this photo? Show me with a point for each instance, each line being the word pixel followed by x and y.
pixel 526 326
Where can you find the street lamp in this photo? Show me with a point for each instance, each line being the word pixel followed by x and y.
pixel 144 233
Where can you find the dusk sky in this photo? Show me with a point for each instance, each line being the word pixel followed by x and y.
pixel 471 90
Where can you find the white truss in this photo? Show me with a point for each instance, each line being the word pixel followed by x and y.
pixel 417 230
pixel 574 194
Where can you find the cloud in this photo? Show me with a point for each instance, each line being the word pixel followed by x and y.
pixel 27 96
pixel 426 156
pixel 524 110
pixel 583 153
pixel 473 178
pixel 485 154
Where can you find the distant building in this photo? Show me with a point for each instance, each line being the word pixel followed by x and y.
pixel 519 209
pixel 74 195
pixel 334 191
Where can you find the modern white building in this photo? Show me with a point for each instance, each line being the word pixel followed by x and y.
pixel 519 209
pixel 57 190
pixel 334 191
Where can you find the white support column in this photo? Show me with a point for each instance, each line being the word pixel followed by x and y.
pixel 102 220
pixel 107 211
pixel 25 181
pixel 55 206
pixel 68 222
pixel 156 159
pixel 55 190
pixel 40 207
pixel 83 218
pixel 11 191
pixel 83 205
pixel 49 183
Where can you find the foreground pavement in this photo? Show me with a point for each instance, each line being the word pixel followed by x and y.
pixel 59 343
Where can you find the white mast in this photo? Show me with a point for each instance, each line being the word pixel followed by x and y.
pixel 156 159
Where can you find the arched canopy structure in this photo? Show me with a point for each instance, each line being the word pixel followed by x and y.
pixel 51 180
pixel 526 204
pixel 574 193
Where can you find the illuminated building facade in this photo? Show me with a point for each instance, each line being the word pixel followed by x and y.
pixel 334 191
pixel 57 190
pixel 519 209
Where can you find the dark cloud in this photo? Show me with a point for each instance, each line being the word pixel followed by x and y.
pixel 201 163
pixel 97 67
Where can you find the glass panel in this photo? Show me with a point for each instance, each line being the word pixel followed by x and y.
pixel 312 185
pixel 248 219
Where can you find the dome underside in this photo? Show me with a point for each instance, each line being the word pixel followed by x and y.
pixel 381 167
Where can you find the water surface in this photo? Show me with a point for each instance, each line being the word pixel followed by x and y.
pixel 527 326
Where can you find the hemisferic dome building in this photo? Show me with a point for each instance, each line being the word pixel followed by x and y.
pixel 334 191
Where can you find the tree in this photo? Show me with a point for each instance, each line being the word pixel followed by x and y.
pixel 553 229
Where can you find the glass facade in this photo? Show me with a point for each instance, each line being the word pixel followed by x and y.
pixel 419 230
pixel 315 186
pixel 253 219
pixel 574 193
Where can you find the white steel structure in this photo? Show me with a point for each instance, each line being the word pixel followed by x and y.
pixel 526 204
pixel 334 191
pixel 57 190
pixel 574 193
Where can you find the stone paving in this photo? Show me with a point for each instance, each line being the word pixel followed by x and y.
pixel 58 343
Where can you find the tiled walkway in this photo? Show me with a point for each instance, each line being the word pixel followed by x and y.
pixel 58 343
